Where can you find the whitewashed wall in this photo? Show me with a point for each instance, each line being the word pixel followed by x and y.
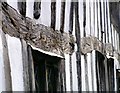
pixel 16 64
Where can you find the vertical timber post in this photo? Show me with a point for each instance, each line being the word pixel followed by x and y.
pixel 70 32
pixel 62 17
pixel 78 53
pixel 25 66
pixel 53 14
pixel 31 69
pixel 37 9
pixel 22 7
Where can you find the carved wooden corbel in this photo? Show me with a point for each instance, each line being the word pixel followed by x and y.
pixel 38 35
pixel 88 44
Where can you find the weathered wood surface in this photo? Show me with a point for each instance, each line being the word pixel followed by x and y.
pixel 37 35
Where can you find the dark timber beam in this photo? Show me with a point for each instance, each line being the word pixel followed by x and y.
pixel 31 69
pixel 62 17
pixel 70 32
pixel 53 14
pixel 37 9
pixel 22 7
pixel 78 41
pixel 71 18
pixel 84 20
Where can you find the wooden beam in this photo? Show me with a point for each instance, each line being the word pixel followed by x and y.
pixel 37 9
pixel 53 14
pixel 107 28
pixel 28 69
pixel 84 20
pixel 71 79
pixel 71 18
pixel 78 41
pixel 25 65
pixel 70 32
pixel 22 7
pixel 31 69
pixel 104 16
pixel 62 19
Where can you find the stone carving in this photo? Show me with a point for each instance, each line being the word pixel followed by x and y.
pixel 38 35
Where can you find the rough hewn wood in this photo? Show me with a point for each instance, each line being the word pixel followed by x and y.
pixel 37 35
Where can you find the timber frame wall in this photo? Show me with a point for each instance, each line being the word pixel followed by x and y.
pixel 90 44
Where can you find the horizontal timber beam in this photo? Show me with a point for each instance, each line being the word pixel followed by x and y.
pixel 37 35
